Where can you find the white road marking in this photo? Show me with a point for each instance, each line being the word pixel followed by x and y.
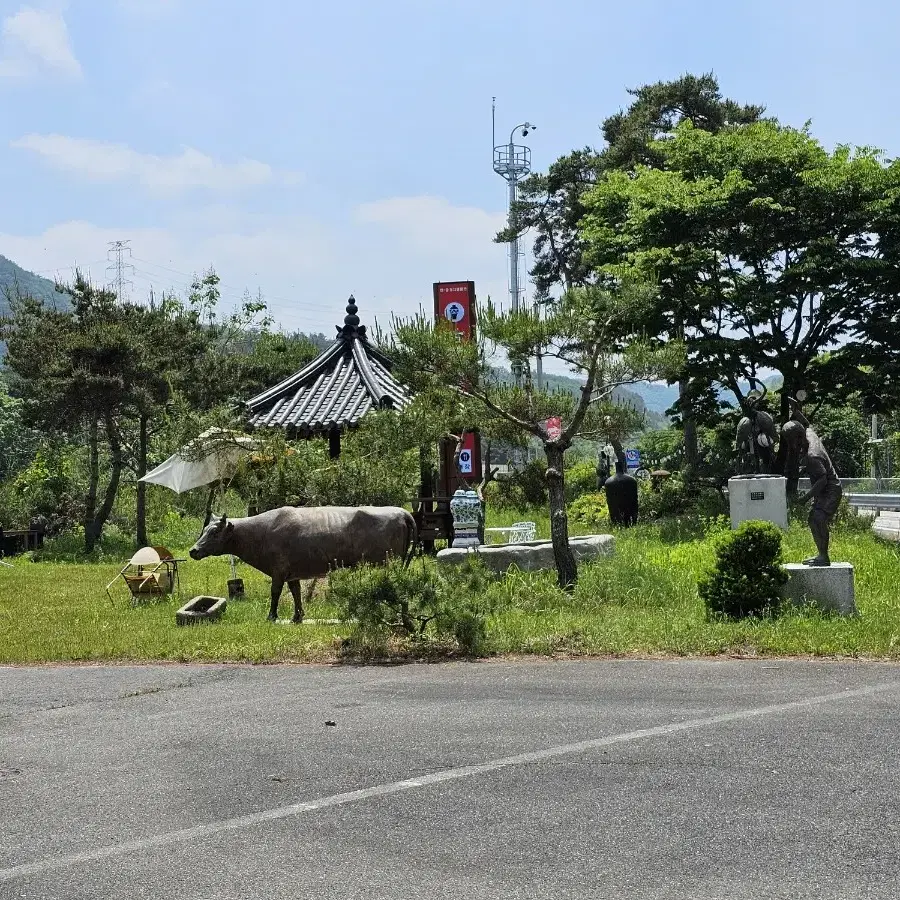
pixel 198 832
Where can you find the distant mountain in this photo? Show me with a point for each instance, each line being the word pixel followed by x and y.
pixel 657 395
pixel 13 277
pixel 622 396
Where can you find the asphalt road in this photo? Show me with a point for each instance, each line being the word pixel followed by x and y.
pixel 607 779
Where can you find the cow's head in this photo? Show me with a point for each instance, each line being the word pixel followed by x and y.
pixel 212 541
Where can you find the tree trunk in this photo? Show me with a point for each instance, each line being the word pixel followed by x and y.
pixel 90 502
pixel 112 488
pixel 566 569
pixel 689 425
pixel 426 489
pixel 788 464
pixel 141 503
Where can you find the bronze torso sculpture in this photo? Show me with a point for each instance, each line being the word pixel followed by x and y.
pixel 825 487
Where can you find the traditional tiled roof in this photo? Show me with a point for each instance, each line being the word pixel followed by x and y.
pixel 335 390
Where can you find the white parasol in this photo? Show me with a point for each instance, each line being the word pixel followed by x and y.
pixel 213 456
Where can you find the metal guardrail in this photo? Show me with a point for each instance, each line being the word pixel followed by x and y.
pixel 876 502
pixel 863 485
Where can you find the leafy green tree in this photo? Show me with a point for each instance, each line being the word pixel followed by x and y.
pixel 589 329
pixel 771 245
pixel 79 372
pixel 845 433
pixel 17 442
pixel 661 448
pixel 552 205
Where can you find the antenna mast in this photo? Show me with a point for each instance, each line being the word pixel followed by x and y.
pixel 512 162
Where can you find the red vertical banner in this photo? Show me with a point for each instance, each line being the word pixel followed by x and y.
pixel 454 302
pixel 469 463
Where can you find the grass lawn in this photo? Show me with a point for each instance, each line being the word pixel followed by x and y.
pixel 642 601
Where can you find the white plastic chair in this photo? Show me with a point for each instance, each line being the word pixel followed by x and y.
pixel 520 532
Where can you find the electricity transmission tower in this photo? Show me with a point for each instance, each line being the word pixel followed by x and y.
pixel 118 252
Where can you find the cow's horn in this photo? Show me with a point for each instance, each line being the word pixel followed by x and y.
pixel 222 520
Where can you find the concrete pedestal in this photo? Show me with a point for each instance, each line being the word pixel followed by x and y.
pixel 831 588
pixel 758 497
pixel 887 526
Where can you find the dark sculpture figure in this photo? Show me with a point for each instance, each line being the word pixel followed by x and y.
pixel 755 439
pixel 603 470
pixel 622 496
pixel 825 487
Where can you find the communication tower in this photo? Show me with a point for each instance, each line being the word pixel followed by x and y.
pixel 512 162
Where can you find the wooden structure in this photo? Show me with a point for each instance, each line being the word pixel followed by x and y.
pixel 331 394
pixel 20 540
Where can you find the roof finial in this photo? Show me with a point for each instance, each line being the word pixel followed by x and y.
pixel 351 320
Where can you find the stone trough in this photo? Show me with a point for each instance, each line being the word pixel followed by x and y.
pixel 201 609
pixel 530 556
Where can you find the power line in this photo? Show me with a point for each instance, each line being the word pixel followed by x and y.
pixel 152 278
pixel 72 268
pixel 121 250
pixel 231 287
pixel 232 292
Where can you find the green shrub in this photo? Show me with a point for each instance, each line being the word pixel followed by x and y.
pixel 747 575
pixel 581 478
pixel 590 510
pixel 673 499
pixel 406 601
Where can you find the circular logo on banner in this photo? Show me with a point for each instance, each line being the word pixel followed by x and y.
pixel 455 312
pixel 465 462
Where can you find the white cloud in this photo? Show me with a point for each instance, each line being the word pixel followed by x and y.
pixel 434 225
pixel 104 162
pixel 149 8
pixel 386 253
pixel 33 40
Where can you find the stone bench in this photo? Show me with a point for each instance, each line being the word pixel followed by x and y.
pixel 831 588
pixel 531 556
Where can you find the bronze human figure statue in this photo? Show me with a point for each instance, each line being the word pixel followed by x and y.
pixel 825 487
pixel 604 470
pixel 755 438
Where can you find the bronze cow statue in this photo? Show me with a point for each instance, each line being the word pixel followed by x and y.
pixel 292 544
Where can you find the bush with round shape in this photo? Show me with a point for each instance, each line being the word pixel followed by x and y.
pixel 747 576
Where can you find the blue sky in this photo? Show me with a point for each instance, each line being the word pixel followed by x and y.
pixel 311 150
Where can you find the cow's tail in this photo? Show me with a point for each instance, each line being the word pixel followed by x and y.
pixel 413 538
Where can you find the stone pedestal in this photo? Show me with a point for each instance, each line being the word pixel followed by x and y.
pixel 887 526
pixel 831 588
pixel 531 556
pixel 759 497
